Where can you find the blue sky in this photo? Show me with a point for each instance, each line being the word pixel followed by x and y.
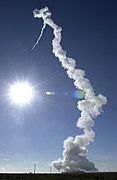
pixel 89 36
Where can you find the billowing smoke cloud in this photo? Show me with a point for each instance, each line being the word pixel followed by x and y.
pixel 75 148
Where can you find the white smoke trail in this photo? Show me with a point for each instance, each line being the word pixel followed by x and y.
pixel 41 34
pixel 75 148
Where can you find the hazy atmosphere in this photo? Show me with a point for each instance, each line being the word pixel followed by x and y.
pixel 41 119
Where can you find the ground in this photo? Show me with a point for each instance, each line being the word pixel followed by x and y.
pixel 82 176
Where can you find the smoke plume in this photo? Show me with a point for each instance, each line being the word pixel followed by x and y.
pixel 75 148
pixel 41 34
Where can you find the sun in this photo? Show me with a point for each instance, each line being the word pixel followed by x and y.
pixel 21 93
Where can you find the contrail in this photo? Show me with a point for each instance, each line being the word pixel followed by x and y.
pixel 75 148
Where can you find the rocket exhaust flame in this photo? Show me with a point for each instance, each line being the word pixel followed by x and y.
pixel 75 148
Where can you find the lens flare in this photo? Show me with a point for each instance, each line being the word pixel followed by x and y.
pixel 79 94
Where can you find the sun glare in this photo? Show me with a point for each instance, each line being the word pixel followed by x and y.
pixel 21 93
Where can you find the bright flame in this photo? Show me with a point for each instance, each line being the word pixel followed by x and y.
pixel 21 93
